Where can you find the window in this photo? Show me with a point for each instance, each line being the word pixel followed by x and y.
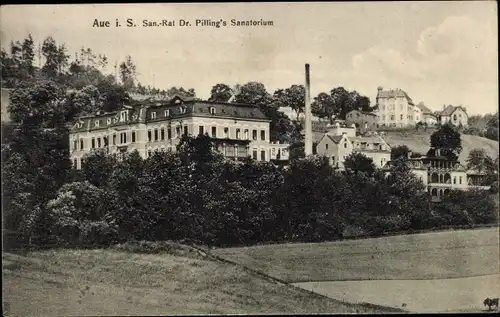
pixel 98 142
pixel 263 135
pixel 93 143
pixel 81 144
pixel 401 117
pixel 212 110
pixel 454 179
pixel 74 145
pixel 392 118
pixel 326 146
pixel 460 180
pixel 226 132
pixel 333 159
pixel 185 130
pixel 246 134
pixel 123 116
pixel 262 155
pixel 201 130
pixel 254 134
pixel 182 110
pixel 133 136
pixel 177 131
pixel 156 134
pixel 108 121
pixel 214 132
pixel 238 133
pixel 149 153
pixel 153 115
pixel 254 154
pixel 149 135
pixel 114 139
pixel 169 133
pixel 345 145
pixel 105 141
pixel 455 117
pixel 162 133
pixel 167 113
pixel 74 164
pixel 123 138
pixel 98 121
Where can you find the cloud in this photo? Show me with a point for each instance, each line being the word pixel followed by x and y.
pixel 456 60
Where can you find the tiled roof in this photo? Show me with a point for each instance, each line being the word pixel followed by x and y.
pixel 450 109
pixel 394 93
pixel 424 108
pixel 335 138
pixel 177 108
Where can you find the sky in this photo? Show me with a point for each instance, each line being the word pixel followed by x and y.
pixel 438 52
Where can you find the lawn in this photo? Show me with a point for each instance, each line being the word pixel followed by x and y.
pixel 436 255
pixel 107 282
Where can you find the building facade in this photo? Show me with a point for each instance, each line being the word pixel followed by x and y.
pixel 457 116
pixel 364 121
pixel 430 119
pixel 396 109
pixel 340 141
pixel 238 130
pixel 440 174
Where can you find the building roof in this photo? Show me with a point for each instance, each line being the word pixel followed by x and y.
pixel 424 109
pixel 363 112
pixel 335 138
pixel 394 93
pixel 177 108
pixel 448 111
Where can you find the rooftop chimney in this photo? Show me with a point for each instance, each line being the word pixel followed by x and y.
pixel 308 149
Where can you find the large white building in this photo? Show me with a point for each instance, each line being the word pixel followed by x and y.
pixel 456 116
pixel 396 109
pixel 441 174
pixel 239 130
pixel 341 140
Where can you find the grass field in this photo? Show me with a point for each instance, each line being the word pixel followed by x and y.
pixel 430 272
pixel 105 282
pixel 435 255
pixel 419 141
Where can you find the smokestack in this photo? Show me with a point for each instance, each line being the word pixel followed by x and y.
pixel 308 126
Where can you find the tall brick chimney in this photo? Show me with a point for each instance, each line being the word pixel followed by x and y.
pixel 308 148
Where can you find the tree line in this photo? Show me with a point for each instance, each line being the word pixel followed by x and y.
pixel 194 193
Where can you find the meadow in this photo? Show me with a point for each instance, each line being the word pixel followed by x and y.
pixel 450 271
pixel 67 282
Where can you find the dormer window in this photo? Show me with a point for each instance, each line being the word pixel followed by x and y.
pixel 124 116
pixel 108 121
pixel 167 113
pixel 153 115
pixel 212 110
pixel 182 110
pixel 97 123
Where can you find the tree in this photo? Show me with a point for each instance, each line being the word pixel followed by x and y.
pixel 338 103
pixel 293 97
pixel 358 162
pixel 55 58
pixel 323 106
pixel 221 93
pixel 27 57
pixel 88 100
pixel 255 93
pixel 400 151
pixel 181 92
pixel 447 140
pixel 479 160
pixel 128 73
pixel 97 167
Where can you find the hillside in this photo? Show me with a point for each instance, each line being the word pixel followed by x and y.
pixel 418 270
pixel 107 282
pixel 420 142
